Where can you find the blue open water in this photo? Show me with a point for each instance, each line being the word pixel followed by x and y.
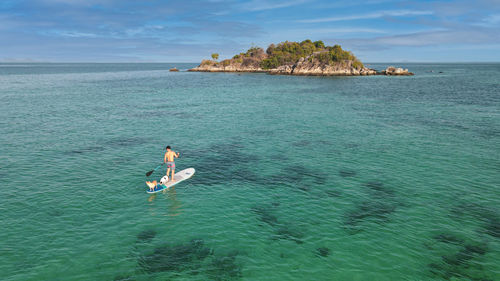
pixel 298 178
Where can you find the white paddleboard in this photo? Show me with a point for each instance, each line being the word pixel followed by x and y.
pixel 179 177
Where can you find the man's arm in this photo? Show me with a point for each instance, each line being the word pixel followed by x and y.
pixel 165 158
pixel 176 155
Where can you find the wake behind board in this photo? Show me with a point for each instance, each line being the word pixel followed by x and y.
pixel 179 177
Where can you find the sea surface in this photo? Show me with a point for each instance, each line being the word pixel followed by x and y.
pixel 297 178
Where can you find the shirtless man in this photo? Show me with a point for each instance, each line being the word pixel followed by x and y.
pixel 169 159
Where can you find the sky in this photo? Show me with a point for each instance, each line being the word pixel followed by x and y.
pixel 189 31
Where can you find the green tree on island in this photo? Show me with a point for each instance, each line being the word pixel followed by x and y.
pixel 215 56
pixel 286 53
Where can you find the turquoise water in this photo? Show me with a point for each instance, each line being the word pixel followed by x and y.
pixel 298 178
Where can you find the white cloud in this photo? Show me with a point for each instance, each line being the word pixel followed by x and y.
pixel 69 33
pixel 260 5
pixel 493 19
pixel 326 31
pixel 426 38
pixel 380 14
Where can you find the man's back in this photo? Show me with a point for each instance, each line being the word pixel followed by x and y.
pixel 170 156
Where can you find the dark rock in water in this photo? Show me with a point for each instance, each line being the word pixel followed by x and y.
pixel 301 143
pixel 378 210
pixel 295 174
pixel 263 133
pixel 304 188
pixel 489 216
pixel 278 157
pixel 352 145
pixel 334 193
pixel 375 185
pixel 323 251
pixel 492 226
pixel 456 260
pixel 284 232
pixel 347 173
pixel 146 235
pixel 379 190
pixel 131 141
pixel 435 269
pixel 480 249
pixel 448 238
pixel 56 212
pixel 123 278
pixel 381 204
pixel 175 258
pixel 460 264
pixel 465 255
pixel 86 150
pixel 265 215
pixel 224 267
pixel 281 230
pixel 229 158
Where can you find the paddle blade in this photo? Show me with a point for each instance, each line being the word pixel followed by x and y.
pixel 149 173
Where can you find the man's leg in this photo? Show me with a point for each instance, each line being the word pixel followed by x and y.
pixel 168 171
pixel 173 173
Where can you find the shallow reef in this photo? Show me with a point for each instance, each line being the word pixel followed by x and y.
pixel 448 238
pixel 265 215
pixel 123 278
pixel 228 158
pixel 55 212
pixel 224 267
pixel 288 233
pixel 323 251
pixel 347 173
pixel 174 257
pixel 110 143
pixel 192 257
pixel 381 203
pixel 299 176
pixel 146 235
pixel 333 193
pixel 126 141
pixel 460 261
pixel 462 255
pixel 489 217
pixel 281 229
pixel 86 150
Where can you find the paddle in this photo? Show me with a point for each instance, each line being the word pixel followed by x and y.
pixel 150 172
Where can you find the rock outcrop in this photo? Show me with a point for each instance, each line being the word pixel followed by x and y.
pixel 213 66
pixel 313 67
pixel 391 70
pixel 303 67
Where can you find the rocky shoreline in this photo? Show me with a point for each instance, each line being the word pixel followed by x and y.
pixel 304 69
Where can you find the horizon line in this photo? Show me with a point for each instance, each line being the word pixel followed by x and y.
pixel 368 62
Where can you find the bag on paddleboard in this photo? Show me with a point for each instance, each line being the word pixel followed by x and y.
pixel 164 180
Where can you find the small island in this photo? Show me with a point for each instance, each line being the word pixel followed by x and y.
pixel 293 58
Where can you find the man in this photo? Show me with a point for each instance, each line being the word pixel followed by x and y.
pixel 169 159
